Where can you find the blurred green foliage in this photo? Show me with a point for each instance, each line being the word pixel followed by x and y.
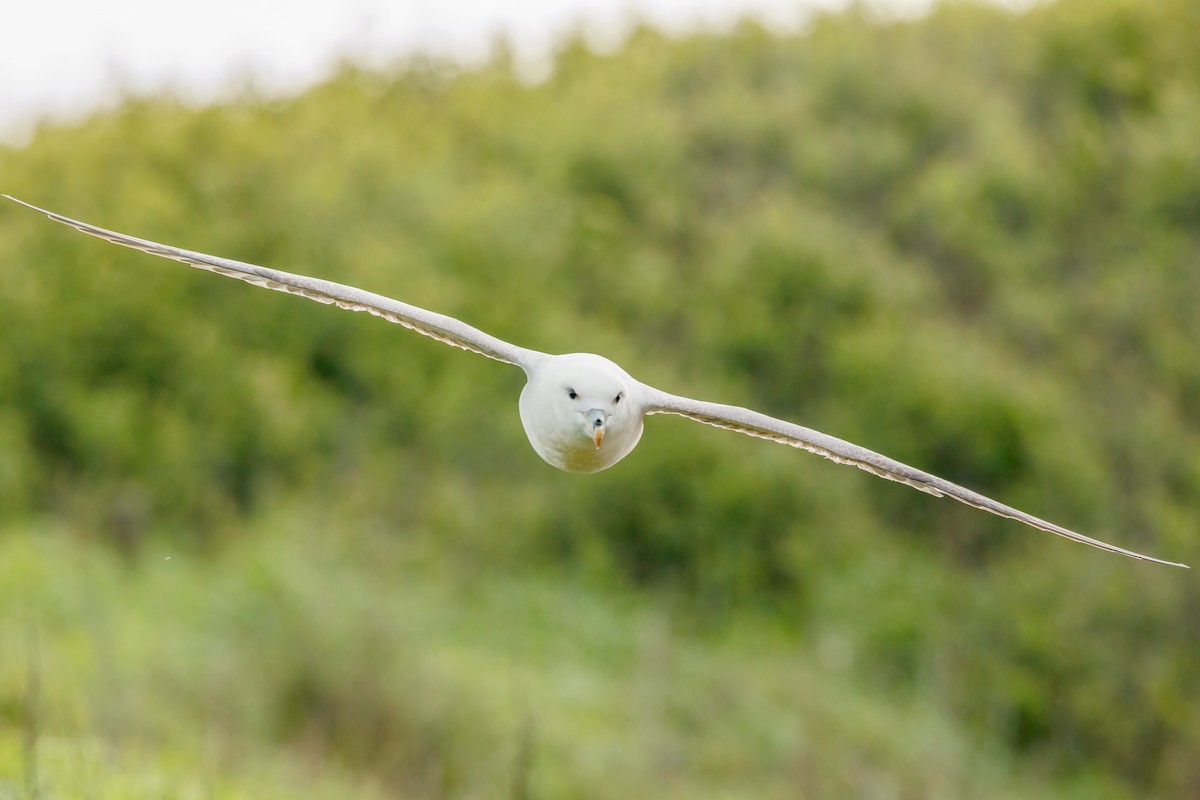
pixel 968 241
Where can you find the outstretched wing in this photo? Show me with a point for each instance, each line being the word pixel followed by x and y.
pixel 753 423
pixel 438 326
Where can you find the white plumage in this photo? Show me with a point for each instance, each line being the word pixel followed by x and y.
pixel 582 412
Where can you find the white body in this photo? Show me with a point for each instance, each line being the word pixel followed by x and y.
pixel 562 428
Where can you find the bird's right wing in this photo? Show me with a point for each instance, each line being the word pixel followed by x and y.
pixel 438 326
pixel 753 423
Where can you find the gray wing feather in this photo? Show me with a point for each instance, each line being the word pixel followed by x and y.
pixel 753 423
pixel 438 326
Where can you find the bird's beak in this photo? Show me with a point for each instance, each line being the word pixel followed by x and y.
pixel 596 420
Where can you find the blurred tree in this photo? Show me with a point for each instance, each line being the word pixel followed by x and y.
pixel 967 241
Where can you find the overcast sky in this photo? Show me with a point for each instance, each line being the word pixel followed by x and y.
pixel 64 57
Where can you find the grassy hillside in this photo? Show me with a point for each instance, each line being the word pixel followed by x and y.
pixel 967 241
pixel 297 664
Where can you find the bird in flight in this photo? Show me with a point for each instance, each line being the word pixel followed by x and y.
pixel 582 412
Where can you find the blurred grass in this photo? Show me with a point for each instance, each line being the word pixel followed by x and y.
pixel 296 664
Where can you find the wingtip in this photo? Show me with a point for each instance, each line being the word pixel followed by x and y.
pixel 52 215
pixel 22 202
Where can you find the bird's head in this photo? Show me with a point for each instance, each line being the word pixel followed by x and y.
pixel 581 412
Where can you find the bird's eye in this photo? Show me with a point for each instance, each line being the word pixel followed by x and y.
pixel 618 398
pixel 571 394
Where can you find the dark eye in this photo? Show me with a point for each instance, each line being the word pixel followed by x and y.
pixel 618 399
pixel 571 394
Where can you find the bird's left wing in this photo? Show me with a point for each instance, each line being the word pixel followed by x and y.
pixel 752 423
pixel 438 326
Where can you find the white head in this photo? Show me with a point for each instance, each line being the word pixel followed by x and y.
pixel 581 412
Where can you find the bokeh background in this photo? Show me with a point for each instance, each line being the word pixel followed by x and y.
pixel 253 547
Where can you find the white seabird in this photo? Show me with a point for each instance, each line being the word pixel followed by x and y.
pixel 582 412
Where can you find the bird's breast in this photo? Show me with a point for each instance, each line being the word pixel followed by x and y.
pixel 574 452
pixel 567 446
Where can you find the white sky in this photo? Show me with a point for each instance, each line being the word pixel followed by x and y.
pixel 62 58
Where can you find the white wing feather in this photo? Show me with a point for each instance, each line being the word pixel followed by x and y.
pixel 752 423
pixel 438 326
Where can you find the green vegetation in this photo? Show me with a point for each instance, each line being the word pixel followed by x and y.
pixel 254 547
